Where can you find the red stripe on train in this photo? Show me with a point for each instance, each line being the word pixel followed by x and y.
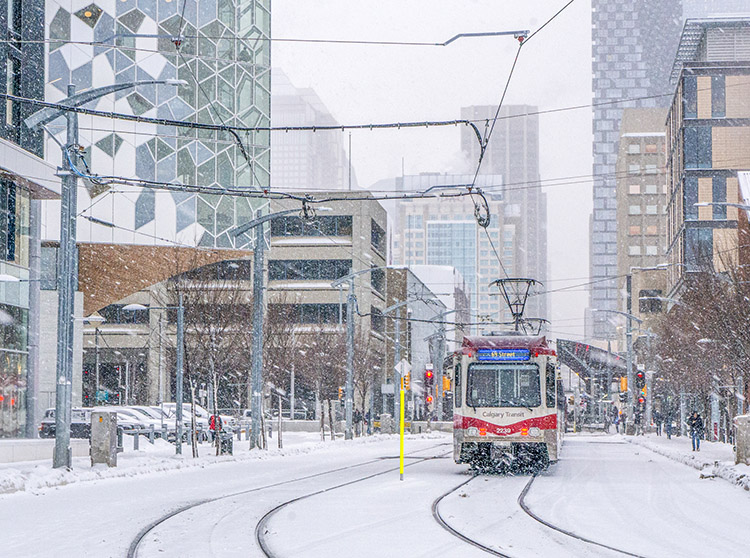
pixel 548 422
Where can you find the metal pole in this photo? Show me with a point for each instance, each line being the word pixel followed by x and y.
pixel 396 361
pixel 32 381
pixel 629 348
pixel 291 382
pixel 438 368
pixel 66 282
pixel 178 376
pixel 256 372
pixel 349 395
pixel 96 383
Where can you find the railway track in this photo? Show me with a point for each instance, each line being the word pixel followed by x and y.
pixel 524 506
pixel 136 542
pixel 261 531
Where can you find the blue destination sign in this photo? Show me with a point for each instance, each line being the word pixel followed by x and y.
pixel 503 354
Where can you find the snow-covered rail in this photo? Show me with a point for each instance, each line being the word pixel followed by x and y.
pixel 261 529
pixel 525 507
pixel 133 550
pixel 455 532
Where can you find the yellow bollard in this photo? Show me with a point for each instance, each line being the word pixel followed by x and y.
pixel 401 431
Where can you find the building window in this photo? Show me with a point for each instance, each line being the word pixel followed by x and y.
pixel 719 193
pixel 634 168
pixel 634 250
pixel 650 189
pixel 230 270
pixel 328 225
pixel 634 230
pixel 377 280
pixel 305 270
pixel 697 147
pixel 651 210
pixel 691 197
pixel 8 191
pixel 690 96
pixel 377 322
pixel 698 249
pixel 307 313
pixel 634 148
pixel 377 237
pixel 651 251
pixel 13 87
pixel 634 189
pixel 652 230
pixel 652 148
pixel 413 221
pixel 634 210
pixel 114 314
pixel 718 97
pixel 649 301
pixel 651 169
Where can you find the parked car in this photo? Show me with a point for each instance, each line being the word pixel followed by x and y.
pixel 127 419
pixel 80 423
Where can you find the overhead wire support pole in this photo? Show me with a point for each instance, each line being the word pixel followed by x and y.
pixel 349 390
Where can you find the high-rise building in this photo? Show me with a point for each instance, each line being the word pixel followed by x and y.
pixel 303 160
pixel 429 231
pixel 633 46
pixel 708 143
pixel 513 153
pixel 25 179
pixel 221 50
pixel 641 212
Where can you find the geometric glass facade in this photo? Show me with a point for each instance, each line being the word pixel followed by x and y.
pixel 223 58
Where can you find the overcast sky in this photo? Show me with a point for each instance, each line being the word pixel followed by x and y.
pixel 363 84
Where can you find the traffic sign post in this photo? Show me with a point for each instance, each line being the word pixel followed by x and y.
pixel 401 431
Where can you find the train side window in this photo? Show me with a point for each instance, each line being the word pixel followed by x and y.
pixel 457 385
pixel 549 381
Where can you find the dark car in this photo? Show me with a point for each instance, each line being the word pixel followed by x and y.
pixel 80 424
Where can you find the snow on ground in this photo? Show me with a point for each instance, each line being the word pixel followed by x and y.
pixel 713 459
pixel 99 518
pixel 616 493
pixel 35 475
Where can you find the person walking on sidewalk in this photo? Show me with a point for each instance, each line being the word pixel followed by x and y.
pixel 658 422
pixel 695 422
pixel 668 424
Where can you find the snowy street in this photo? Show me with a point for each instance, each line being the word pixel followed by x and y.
pixel 348 501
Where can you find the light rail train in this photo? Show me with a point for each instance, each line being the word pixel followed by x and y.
pixel 507 402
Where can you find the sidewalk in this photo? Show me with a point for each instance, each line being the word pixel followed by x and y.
pixel 715 459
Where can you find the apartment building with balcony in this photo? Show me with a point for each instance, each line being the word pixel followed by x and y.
pixel 708 143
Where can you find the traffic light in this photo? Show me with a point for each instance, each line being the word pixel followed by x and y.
pixel 446 384
pixel 407 381
pixel 428 400
pixel 640 380
pixel 429 379
pixel 623 383
pixel 341 393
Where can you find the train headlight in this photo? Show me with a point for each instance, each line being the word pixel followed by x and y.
pixel 472 431
pixel 534 431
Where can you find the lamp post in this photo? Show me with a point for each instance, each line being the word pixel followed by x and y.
pixel 179 358
pixel 629 349
pixel 67 278
pixel 256 370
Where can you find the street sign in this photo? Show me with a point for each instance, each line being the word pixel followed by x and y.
pixel 403 367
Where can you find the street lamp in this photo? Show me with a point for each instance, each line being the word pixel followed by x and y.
pixel 629 357
pixel 256 371
pixel 180 356
pixel 67 278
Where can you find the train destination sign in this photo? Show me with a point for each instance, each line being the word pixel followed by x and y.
pixel 503 354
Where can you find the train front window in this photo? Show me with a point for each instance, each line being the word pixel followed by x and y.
pixel 503 385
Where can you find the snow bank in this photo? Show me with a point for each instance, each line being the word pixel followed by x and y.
pixel 715 460
pixel 35 476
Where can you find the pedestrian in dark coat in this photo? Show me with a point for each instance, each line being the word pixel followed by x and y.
pixel 658 420
pixel 695 423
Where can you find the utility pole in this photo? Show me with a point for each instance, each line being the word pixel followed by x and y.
pixel 629 348
pixel 396 361
pixel 256 371
pixel 438 367
pixel 349 392
pixel 178 378
pixel 67 281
